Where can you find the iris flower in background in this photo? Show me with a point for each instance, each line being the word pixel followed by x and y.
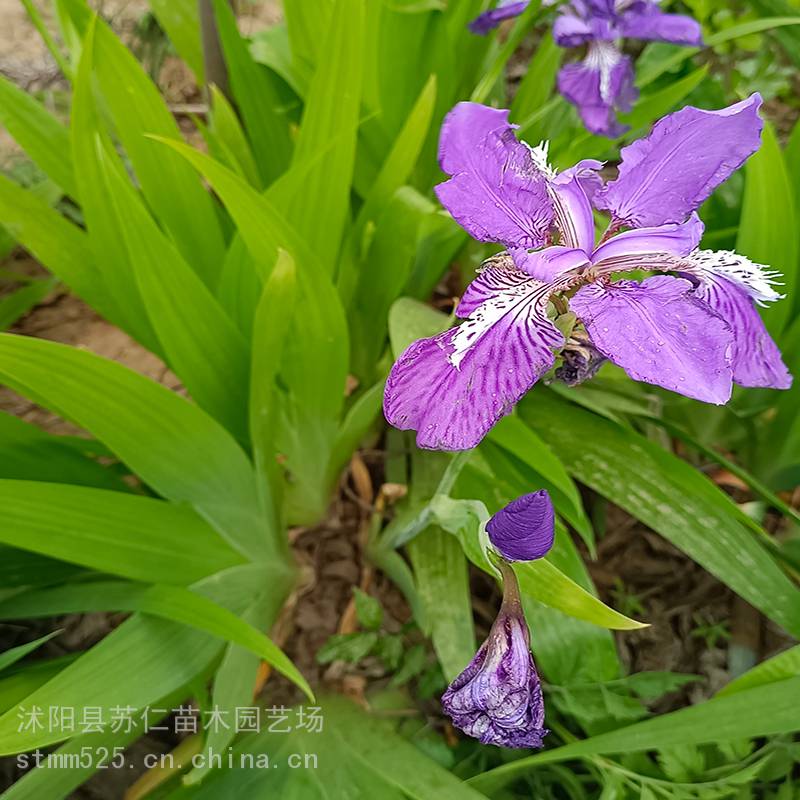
pixel 694 329
pixel 603 82
pixel 497 699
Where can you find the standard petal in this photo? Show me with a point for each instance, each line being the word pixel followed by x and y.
pixel 496 192
pixel 599 86
pixel 551 263
pixel 583 21
pixel 506 9
pixel 573 211
pixel 587 173
pixel 659 333
pixel 645 20
pixel 654 184
pixel 645 248
pixel 756 358
pixel 453 388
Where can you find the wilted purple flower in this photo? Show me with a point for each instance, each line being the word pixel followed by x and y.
pixel 602 83
pixel 497 699
pixel 695 333
pixel 524 529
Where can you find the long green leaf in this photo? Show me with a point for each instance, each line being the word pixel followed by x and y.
pixel 201 343
pixel 355 755
pixel 170 443
pixel 171 602
pixel 768 213
pixel 541 579
pixel 29 453
pixel 236 676
pixel 670 496
pixel 726 35
pixel 519 440
pixel 227 130
pixel 137 108
pixel 140 662
pixel 110 256
pixel 274 315
pixel 57 244
pixel 319 205
pixel 719 720
pixel 780 667
pixel 39 133
pixel 539 79
pixel 440 568
pixel 180 20
pixel 314 368
pixel 15 305
pixel 14 654
pixel 124 534
pixel 135 665
pixel 256 97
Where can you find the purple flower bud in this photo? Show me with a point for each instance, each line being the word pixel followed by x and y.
pixel 497 699
pixel 524 529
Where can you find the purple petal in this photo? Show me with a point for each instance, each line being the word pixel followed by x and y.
pixel 645 248
pixel 506 9
pixel 497 699
pixel 645 20
pixel 666 176
pixel 583 21
pixel 453 388
pixel 586 171
pixel 549 264
pixel 659 333
pixel 598 86
pixel 573 211
pixel 570 30
pixel 496 192
pixel 731 285
pixel 497 275
pixel 524 529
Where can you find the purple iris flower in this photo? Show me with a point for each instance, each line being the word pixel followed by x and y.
pixel 694 329
pixel 497 699
pixel 602 83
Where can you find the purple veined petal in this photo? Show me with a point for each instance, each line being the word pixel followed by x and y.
pixel 757 280
pixel 489 20
pixel 453 388
pixel 524 529
pixel 570 30
pixel 756 358
pixel 573 211
pixel 645 20
pixel 496 192
pixel 497 274
pixel 583 21
pixel 497 699
pixel 645 248
pixel 655 184
pixel 550 264
pixel 732 285
pixel 587 173
pixel 599 86
pixel 659 333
